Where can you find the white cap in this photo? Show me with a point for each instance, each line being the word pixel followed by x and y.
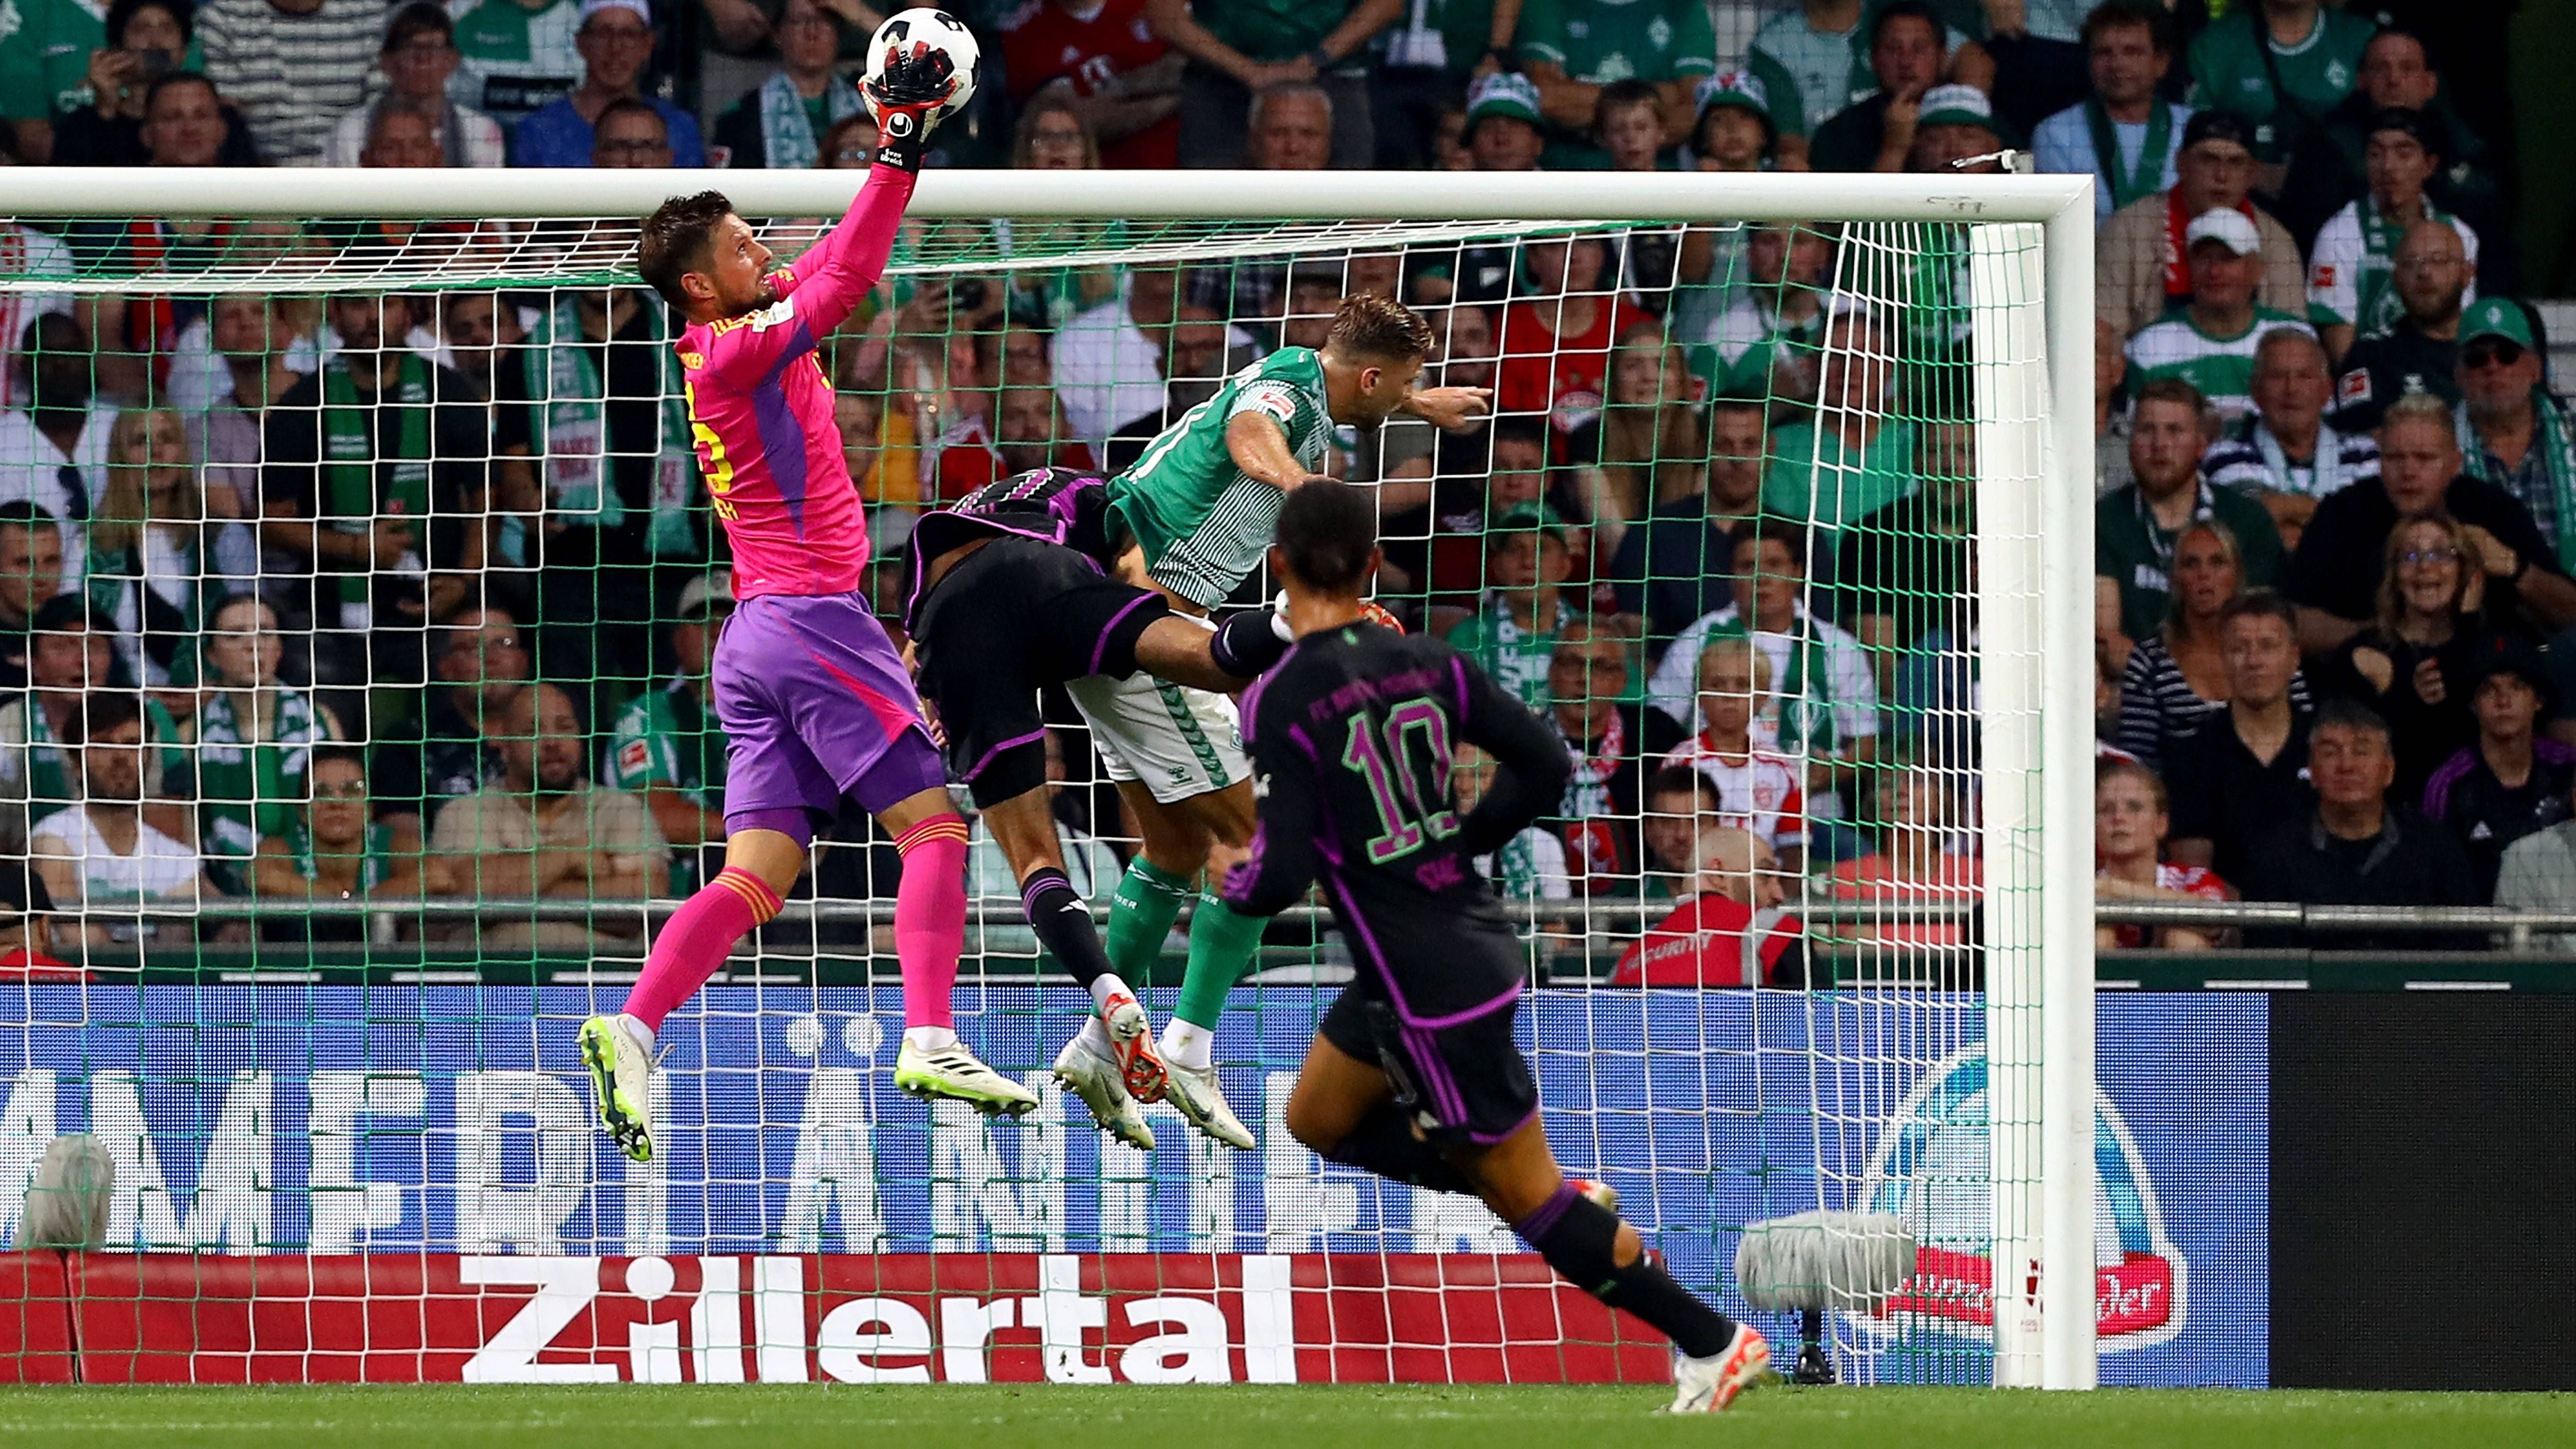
pixel 637 8
pixel 2225 226
pixel 704 590
pixel 1956 105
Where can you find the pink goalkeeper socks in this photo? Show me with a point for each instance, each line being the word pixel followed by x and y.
pixel 700 934
pixel 930 917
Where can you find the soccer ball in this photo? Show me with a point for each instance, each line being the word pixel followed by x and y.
pixel 910 32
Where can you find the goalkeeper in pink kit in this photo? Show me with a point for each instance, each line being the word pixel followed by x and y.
pixel 816 703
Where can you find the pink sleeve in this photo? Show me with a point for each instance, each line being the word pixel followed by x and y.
pixel 822 287
pixel 838 270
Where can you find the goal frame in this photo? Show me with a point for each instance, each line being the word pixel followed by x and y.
pixel 2035 546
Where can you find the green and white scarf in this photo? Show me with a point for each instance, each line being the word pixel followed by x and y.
pixel 2552 438
pixel 568 432
pixel 374 868
pixel 248 780
pixel 359 488
pixel 1802 718
pixel 788 140
pixel 2130 183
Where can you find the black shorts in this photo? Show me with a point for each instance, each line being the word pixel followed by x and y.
pixel 1466 1082
pixel 1016 616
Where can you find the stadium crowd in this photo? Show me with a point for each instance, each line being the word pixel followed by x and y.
pixel 366 596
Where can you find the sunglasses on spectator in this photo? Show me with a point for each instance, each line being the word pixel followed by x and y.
pixel 2492 352
pixel 354 791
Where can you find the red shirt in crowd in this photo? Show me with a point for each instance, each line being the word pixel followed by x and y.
pixel 1873 878
pixel 2191 880
pixel 1702 944
pixel 1561 377
pixel 1044 42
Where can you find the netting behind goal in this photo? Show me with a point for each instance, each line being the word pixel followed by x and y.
pixel 386 584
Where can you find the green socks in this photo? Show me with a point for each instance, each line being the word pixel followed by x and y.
pixel 1223 943
pixel 1141 913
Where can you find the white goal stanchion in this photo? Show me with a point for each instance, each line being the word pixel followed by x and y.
pixel 1946 1075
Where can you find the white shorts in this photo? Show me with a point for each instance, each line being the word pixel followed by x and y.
pixel 1178 741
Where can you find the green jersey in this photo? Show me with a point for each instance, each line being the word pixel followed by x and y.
pixel 1748 341
pixel 1203 523
pixel 1513 657
pixel 1814 480
pixel 1600 41
pixel 44 55
pixel 1273 30
pixel 250 779
pixel 670 737
pixel 2221 367
pixel 2236 66
pixel 511 59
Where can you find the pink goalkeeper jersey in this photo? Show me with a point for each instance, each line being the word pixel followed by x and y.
pixel 760 410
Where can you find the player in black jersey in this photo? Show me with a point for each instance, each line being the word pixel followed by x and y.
pixel 1413 1074
pixel 1008 592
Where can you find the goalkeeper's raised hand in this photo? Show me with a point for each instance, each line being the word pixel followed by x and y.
pixel 904 94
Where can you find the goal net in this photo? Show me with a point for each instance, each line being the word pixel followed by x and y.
pixel 358 566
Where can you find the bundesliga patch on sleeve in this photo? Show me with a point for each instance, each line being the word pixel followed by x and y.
pixel 632 757
pixel 1277 399
pixel 2321 275
pixel 2353 387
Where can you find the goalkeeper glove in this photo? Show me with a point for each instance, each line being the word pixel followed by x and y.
pixel 906 92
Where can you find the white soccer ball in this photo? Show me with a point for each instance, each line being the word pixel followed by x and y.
pixel 909 32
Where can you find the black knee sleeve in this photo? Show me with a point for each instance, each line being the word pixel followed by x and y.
pixel 1580 1239
pixel 1384 1143
pixel 1063 924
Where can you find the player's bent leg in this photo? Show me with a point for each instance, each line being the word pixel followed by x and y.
pixel 761 864
pixel 1110 1062
pixel 1184 650
pixel 1345 1109
pixel 1585 1242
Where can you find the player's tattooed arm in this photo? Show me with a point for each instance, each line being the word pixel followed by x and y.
pixel 1448 407
pixel 1259 446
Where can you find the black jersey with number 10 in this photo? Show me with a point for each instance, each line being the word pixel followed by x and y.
pixel 1352 738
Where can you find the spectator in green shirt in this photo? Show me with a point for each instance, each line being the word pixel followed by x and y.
pixel 2135 528
pixel 55 55
pixel 668 746
pixel 1572 49
pixel 1237 47
pixel 1512 634
pixel 1855 456
pixel 2282 65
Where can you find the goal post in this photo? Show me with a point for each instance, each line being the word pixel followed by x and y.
pixel 2022 313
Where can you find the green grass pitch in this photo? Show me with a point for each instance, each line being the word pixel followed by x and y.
pixel 1314 1417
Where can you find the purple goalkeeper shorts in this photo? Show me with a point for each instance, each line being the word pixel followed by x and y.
pixel 817 708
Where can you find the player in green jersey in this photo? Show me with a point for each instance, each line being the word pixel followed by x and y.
pixel 1196 513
